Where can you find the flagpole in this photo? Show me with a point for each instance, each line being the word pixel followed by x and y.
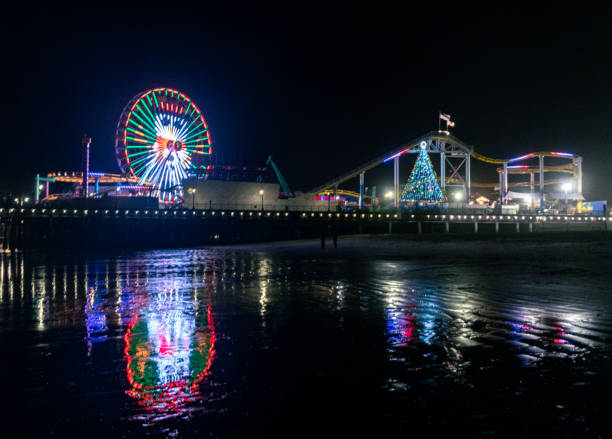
pixel 439 114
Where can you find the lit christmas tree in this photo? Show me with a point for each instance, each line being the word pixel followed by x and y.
pixel 423 184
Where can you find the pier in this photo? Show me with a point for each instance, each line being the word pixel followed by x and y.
pixel 35 228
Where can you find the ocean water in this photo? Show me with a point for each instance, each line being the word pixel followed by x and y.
pixel 490 338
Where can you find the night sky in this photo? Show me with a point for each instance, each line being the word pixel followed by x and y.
pixel 322 89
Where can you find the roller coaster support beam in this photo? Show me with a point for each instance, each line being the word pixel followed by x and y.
pixel 578 163
pixel 442 171
pixel 396 188
pixel 86 142
pixel 468 183
pixel 36 187
pixel 503 183
pixel 541 163
pixel 361 180
pixel 505 175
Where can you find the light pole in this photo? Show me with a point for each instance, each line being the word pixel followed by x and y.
pixel 458 197
pixel 389 195
pixel 566 187
pixel 192 191
pixel 261 192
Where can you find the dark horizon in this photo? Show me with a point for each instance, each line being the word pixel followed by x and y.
pixel 322 90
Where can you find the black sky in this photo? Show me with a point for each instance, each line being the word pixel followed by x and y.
pixel 320 88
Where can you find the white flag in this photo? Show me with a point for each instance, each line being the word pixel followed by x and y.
pixel 445 117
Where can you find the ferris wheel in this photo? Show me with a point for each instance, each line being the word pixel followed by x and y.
pixel 161 138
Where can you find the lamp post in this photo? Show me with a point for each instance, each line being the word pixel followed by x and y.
pixel 458 196
pixel 192 191
pixel 261 192
pixel 566 187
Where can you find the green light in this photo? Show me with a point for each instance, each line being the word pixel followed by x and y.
pixel 136 171
pixel 143 121
pixel 149 111
pixel 138 161
pixel 148 151
pixel 423 184
pixel 196 134
pixel 151 120
pixel 189 126
pixel 142 128
pixel 192 109
pixel 195 142
pixel 154 139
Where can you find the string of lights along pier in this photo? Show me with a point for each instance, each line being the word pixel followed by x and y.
pixel 423 184
pixel 161 138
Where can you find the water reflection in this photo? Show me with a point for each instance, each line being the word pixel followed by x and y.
pixel 169 350
pixel 400 318
pixel 145 328
pixel 95 319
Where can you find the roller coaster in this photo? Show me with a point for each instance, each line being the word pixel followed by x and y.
pixel 456 156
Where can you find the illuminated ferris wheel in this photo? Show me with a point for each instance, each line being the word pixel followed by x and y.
pixel 161 138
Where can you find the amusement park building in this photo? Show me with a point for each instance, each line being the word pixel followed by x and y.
pixel 219 194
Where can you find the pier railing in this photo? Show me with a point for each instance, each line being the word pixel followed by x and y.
pixel 22 227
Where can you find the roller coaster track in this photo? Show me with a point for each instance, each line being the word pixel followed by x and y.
pixel 440 142
pixel 568 169
pixel 476 184
pixel 486 159
pixel 342 192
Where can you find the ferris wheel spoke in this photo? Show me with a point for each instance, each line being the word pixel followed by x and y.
pixel 186 130
pixel 141 127
pixel 196 141
pixel 140 133
pixel 155 99
pixel 188 136
pixel 146 116
pixel 147 166
pixel 143 121
pixel 149 117
pixel 139 161
pixel 148 110
pixel 138 153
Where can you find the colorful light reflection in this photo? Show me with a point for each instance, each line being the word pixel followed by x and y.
pixel 169 351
